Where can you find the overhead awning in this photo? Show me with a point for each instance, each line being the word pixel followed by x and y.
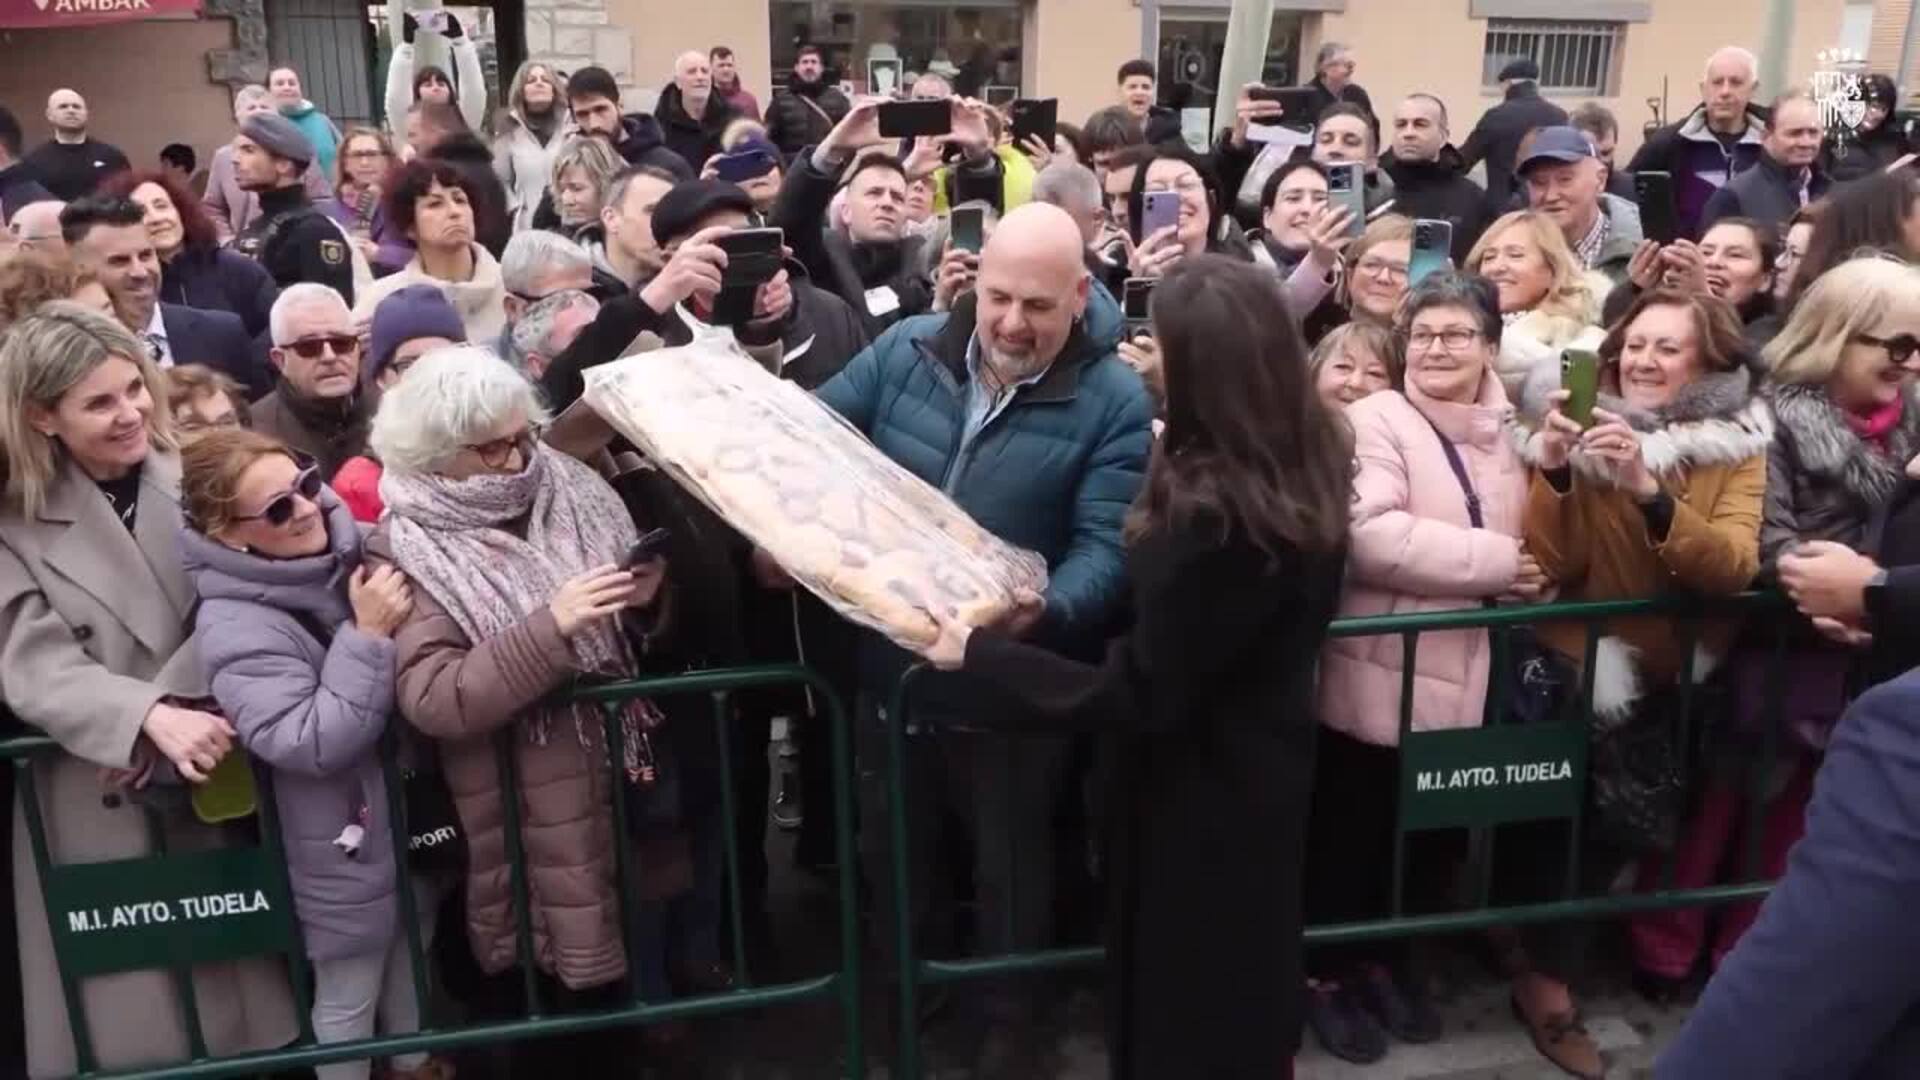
pixel 18 14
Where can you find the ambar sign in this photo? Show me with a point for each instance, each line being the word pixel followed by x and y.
pixel 1488 776
pixel 30 13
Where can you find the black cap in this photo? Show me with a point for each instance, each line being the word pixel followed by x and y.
pixel 1522 68
pixel 680 211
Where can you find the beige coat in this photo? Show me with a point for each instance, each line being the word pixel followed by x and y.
pixel 93 631
pixel 464 694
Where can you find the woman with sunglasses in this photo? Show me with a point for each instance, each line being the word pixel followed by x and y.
pixel 518 557
pixel 94 652
pixel 297 638
pixel 1847 421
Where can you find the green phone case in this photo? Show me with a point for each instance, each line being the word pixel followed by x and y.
pixel 1580 376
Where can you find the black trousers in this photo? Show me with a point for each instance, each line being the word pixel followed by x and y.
pixel 1349 866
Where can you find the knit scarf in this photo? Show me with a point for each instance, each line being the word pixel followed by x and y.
pixel 455 539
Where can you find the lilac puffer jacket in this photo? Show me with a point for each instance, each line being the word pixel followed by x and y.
pixel 314 713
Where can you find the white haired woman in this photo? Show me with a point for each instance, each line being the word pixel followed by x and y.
pixel 515 554
pixel 95 617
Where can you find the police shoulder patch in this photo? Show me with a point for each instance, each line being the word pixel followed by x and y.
pixel 333 252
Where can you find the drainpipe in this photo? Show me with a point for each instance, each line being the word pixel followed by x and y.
pixel 1776 47
pixel 1908 40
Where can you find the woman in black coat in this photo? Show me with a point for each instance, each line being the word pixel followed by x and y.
pixel 195 270
pixel 1235 552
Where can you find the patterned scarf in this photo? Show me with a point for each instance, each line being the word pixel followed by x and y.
pixel 455 539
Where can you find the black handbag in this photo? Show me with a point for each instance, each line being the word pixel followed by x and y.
pixel 435 840
pixel 1635 789
pixel 1538 678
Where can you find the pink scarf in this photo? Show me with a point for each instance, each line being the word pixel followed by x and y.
pixel 1874 427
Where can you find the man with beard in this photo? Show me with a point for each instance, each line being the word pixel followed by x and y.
pixel 1018 406
pixel 109 237
pixel 292 238
pixel 318 406
pixel 803 113
pixel 1429 176
pixel 594 99
pixel 692 117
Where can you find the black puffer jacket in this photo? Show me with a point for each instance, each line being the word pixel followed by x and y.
pixel 1496 138
pixel 1824 482
pixel 694 139
pixel 1440 190
pixel 794 124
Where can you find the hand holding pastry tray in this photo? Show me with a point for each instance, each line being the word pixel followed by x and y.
pixel 880 545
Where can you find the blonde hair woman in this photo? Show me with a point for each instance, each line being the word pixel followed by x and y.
pixel 94 651
pixel 1547 300
pixel 582 169
pixel 1355 360
pixel 1376 269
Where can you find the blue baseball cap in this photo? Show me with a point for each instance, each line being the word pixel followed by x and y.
pixel 1562 144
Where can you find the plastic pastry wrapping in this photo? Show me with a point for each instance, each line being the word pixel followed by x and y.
pixel 880 545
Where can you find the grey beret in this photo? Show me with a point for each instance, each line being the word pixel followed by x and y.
pixel 278 136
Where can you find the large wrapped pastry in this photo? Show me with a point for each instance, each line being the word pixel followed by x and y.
pixel 879 544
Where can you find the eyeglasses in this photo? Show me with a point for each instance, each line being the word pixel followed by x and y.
pixel 496 453
pixel 1900 347
pixel 311 348
pixel 366 155
pixel 306 484
pixel 1454 337
pixel 1373 267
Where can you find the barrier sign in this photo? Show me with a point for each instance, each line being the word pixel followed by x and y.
pixel 1492 775
pixel 17 14
pixel 177 910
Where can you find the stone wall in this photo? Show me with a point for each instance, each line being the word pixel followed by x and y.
pixel 572 34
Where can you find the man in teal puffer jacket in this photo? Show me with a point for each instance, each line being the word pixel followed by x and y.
pixel 1018 407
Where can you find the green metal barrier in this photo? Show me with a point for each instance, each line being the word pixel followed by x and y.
pixel 160 911
pixel 1551 795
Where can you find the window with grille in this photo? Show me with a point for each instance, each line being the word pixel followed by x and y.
pixel 1574 57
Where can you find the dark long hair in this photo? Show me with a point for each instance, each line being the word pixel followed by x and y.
pixel 1868 213
pixel 1137 198
pixel 1247 441
pixel 196 229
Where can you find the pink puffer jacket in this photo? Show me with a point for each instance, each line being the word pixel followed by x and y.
pixel 1413 548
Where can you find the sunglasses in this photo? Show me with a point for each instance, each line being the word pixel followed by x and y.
pixel 1900 347
pixel 306 484
pixel 311 348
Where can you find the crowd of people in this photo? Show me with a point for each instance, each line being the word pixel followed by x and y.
pixel 280 479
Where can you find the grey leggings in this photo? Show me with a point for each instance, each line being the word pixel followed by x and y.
pixel 348 992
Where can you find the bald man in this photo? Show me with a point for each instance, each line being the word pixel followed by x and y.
pixel 72 164
pixel 691 115
pixel 1720 139
pixel 36 227
pixel 1016 405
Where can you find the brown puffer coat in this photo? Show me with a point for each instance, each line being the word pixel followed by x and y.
pixel 462 694
pixel 1709 450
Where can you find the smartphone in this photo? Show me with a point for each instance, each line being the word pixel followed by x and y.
pixel 1432 249
pixel 1136 296
pixel 1654 192
pixel 969 228
pixel 1296 103
pixel 1580 376
pixel 754 256
pixel 1160 210
pixel 744 165
pixel 1035 119
pixel 1347 187
pixel 910 119
pixel 646 549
